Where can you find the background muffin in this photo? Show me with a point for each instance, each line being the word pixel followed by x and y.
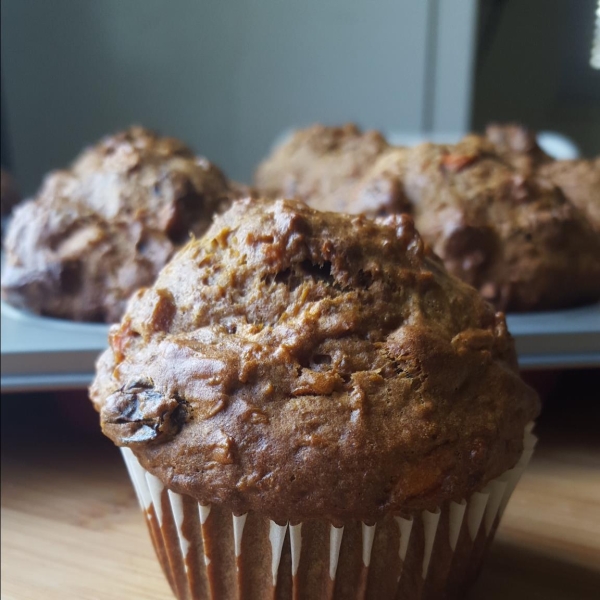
pixel 484 204
pixel 510 235
pixel 338 169
pixel 580 181
pixel 517 145
pixel 103 228
pixel 318 369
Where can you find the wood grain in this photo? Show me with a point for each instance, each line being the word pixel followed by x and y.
pixel 71 528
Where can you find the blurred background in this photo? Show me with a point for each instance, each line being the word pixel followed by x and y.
pixel 229 77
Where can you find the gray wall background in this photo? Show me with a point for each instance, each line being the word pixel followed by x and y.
pixel 225 76
pixel 535 69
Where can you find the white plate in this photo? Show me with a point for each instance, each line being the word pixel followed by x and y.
pixel 29 318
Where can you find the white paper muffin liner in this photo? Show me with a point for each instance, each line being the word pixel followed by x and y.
pixel 207 553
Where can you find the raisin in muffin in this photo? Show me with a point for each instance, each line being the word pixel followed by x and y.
pixel 101 229
pixel 322 370
pixel 496 222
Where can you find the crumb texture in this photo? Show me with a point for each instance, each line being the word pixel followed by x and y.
pixel 502 215
pixel 103 228
pixel 305 365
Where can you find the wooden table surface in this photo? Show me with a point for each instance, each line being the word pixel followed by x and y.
pixel 71 528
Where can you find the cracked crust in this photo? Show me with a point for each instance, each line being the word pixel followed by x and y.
pixel 307 365
pixel 105 227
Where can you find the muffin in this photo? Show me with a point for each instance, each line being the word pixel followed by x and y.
pixel 580 181
pixel 480 203
pixel 510 235
pixel 310 406
pixel 517 145
pixel 103 228
pixel 9 193
pixel 334 168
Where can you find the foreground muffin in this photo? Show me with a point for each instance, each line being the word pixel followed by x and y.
pixel 480 203
pixel 103 228
pixel 311 398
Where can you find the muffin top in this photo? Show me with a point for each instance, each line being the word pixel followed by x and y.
pixel 486 204
pixel 105 227
pixel 304 365
pixel 580 181
pixel 510 234
pixel 341 169
pixel 136 174
pixel 517 145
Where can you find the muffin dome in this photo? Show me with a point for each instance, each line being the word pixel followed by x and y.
pixel 340 169
pixel 307 365
pixel 511 235
pixel 580 181
pixel 100 230
pixel 487 205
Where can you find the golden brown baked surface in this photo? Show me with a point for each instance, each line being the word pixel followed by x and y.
pixel 483 204
pixel 103 228
pixel 313 365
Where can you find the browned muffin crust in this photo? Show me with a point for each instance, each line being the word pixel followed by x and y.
pixel 100 230
pixel 480 203
pixel 9 193
pixel 517 145
pixel 313 365
pixel 580 181
pixel 333 167
pixel 512 236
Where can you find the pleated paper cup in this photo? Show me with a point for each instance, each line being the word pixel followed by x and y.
pixel 207 552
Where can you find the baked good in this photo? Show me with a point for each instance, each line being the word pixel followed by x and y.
pixel 512 236
pixel 334 168
pixel 9 193
pixel 319 369
pixel 101 229
pixel 517 145
pixel 481 203
pixel 580 181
